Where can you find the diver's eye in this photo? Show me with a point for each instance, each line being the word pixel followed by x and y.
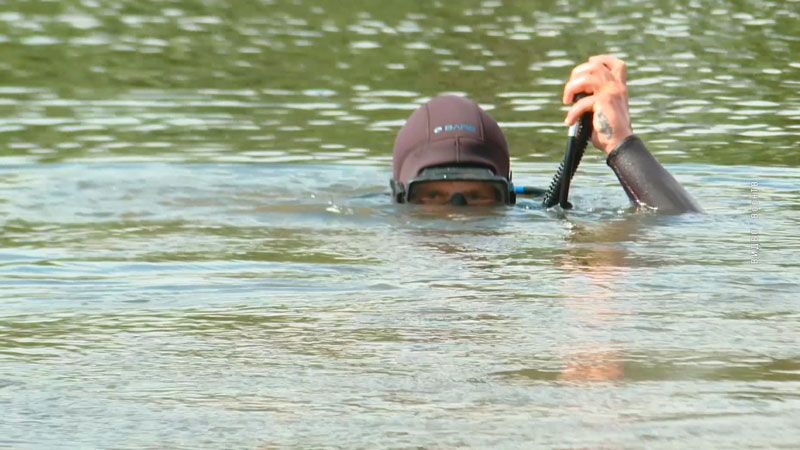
pixel 432 195
pixel 481 197
pixel 474 195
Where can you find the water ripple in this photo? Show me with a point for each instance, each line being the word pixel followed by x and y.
pixel 196 228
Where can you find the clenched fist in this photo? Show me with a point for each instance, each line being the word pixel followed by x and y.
pixel 603 80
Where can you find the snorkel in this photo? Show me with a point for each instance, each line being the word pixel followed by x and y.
pixel 578 138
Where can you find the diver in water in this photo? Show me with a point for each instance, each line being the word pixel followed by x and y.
pixel 450 151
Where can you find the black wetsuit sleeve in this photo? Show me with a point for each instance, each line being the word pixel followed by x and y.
pixel 646 181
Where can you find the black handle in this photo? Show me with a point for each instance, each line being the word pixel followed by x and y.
pixel 579 135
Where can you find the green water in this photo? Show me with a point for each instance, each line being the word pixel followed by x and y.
pixel 197 248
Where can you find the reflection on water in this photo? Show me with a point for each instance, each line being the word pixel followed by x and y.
pixel 196 235
pixel 278 296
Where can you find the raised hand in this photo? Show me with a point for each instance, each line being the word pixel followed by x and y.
pixel 602 78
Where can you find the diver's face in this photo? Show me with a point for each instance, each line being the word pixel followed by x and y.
pixel 458 193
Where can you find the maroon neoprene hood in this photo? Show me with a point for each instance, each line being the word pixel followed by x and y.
pixel 449 130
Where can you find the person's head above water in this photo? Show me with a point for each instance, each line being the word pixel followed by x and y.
pixel 451 152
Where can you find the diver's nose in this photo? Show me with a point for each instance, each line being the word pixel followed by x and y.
pixel 458 199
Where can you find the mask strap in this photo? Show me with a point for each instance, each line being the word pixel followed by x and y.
pixel 398 191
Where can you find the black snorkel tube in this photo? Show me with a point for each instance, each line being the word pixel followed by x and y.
pixel 579 134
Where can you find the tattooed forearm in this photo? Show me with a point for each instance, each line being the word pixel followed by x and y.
pixel 605 127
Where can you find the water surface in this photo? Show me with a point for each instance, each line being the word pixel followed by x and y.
pixel 197 247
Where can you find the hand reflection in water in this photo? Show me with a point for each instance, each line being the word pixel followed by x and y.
pixel 591 254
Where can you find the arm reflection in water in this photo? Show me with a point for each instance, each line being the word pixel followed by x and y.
pixel 592 255
pixel 587 264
